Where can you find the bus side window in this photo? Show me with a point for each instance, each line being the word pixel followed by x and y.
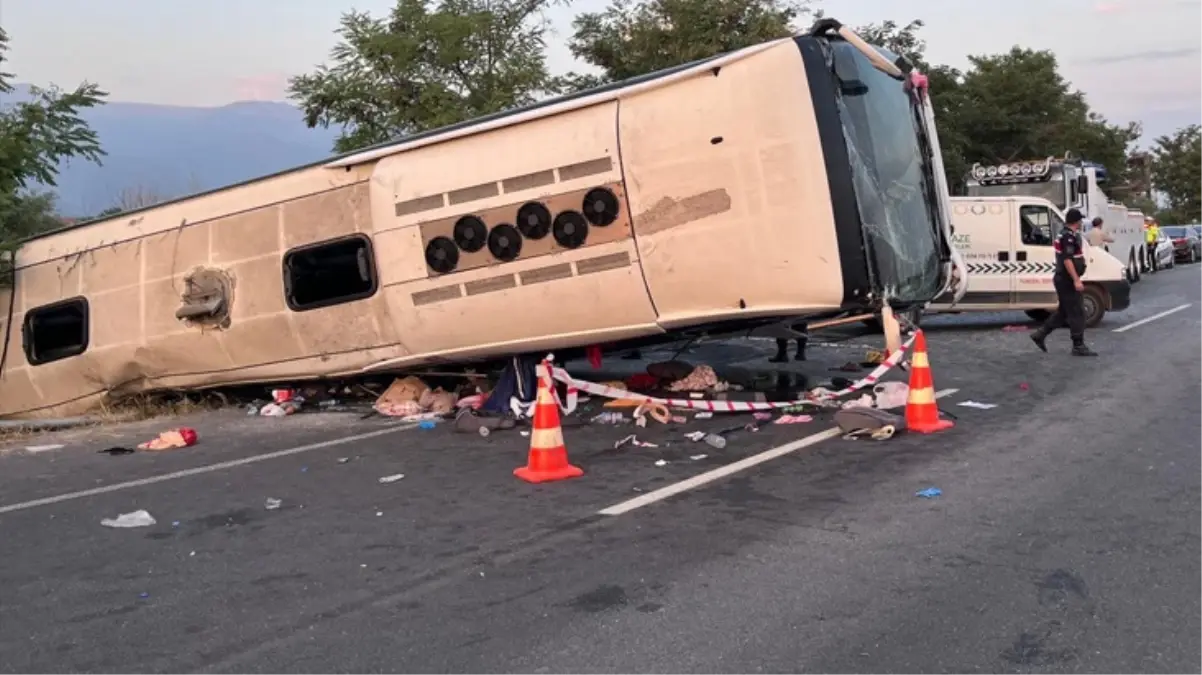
pixel 1072 193
pixel 1035 225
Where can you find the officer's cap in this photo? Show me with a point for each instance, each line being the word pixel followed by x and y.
pixel 1073 216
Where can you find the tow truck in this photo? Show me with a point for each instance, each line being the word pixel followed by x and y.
pixel 1067 183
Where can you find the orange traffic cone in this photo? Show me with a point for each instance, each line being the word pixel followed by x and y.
pixel 548 459
pixel 922 414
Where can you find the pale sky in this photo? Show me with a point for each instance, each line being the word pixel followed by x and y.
pixel 1135 59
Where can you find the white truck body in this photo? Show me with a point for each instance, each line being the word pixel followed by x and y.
pixel 1006 244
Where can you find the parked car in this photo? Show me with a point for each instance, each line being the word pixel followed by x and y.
pixel 1165 258
pixel 1187 246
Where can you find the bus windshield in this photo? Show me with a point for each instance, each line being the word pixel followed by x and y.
pixel 1051 190
pixel 892 174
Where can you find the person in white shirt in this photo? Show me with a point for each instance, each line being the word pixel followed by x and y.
pixel 1097 236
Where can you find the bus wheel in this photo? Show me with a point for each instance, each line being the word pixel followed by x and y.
pixel 1094 304
pixel 1039 314
pixel 1133 269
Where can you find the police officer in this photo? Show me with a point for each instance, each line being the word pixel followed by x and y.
pixel 1070 266
pixel 1152 237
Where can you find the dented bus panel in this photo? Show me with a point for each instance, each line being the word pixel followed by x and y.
pixel 782 181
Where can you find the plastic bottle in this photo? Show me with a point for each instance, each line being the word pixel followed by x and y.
pixel 715 440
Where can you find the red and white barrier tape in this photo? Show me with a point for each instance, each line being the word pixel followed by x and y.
pixel 721 406
pixel 521 410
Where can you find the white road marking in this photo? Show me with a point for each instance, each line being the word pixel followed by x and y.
pixel 1150 319
pixel 45 501
pixel 733 467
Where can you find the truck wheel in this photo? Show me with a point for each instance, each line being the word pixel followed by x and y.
pixel 1094 301
pixel 1133 269
pixel 1038 314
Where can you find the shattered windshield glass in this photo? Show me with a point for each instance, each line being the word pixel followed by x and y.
pixel 892 175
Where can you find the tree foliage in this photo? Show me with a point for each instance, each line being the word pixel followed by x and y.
pixel 424 66
pixel 631 38
pixel 1177 173
pixel 1009 106
pixel 36 136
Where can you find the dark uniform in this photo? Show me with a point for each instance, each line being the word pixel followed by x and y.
pixel 782 345
pixel 1071 308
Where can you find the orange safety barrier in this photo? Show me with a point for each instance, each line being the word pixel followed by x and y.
pixel 548 458
pixel 922 413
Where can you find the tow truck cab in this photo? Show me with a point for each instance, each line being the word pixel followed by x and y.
pixel 1006 244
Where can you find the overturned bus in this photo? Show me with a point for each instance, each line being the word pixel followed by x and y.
pixel 793 179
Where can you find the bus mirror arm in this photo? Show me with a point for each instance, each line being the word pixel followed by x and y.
pixel 897 70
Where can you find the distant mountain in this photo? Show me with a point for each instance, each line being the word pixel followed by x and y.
pixel 177 150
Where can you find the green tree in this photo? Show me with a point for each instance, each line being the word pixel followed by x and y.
pixel 1018 106
pixel 1177 172
pixel 36 136
pixel 630 38
pixel 424 66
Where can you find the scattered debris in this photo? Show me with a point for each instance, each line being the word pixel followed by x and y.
pixel 715 440
pixel 891 394
pixel 793 419
pixel 868 421
pixel 118 450
pixel 271 504
pixel 44 448
pixel 392 479
pixel 697 457
pixel 344 460
pixel 633 440
pixel 762 416
pixel 609 418
pixel 139 518
pixel 1015 329
pixel 661 462
pixel 143 595
pixel 410 396
pixel 1024 386
pixel 978 406
pixel 864 401
pixel 427 425
pixel 695 436
pixel 171 439
pixel 703 415
pixel 279 409
pixel 929 493
pixel 470 421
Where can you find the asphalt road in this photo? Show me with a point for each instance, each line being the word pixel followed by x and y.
pixel 1066 538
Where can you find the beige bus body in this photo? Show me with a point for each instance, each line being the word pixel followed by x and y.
pixel 716 178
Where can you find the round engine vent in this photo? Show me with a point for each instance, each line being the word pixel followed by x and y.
pixel 534 220
pixel 601 206
pixel 470 234
pixel 442 255
pixel 570 229
pixel 505 242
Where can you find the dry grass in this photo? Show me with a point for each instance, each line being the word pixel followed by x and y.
pixel 132 408
pixel 139 407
